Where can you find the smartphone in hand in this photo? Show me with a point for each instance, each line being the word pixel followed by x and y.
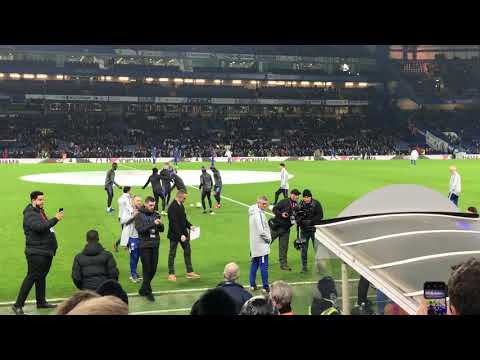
pixel 435 294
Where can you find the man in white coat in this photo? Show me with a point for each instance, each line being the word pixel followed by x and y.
pixel 283 184
pixel 123 203
pixel 414 157
pixel 260 239
pixel 228 154
pixel 455 185
pixel 129 236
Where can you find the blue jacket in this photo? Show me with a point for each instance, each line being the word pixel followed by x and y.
pixel 236 292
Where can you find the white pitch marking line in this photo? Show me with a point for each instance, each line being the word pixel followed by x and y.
pixel 166 292
pixel 420 258
pixel 420 232
pixel 223 196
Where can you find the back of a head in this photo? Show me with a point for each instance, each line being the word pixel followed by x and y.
pixel 104 305
pixel 231 272
pixel 126 189
pixel 215 302
pixel 464 288
pixel 113 288
pixel 281 293
pixel 258 305
pixel 68 305
pixel 326 287
pixel 92 236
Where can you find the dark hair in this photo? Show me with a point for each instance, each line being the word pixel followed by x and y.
pixel 154 170
pixel 258 305
pixel 282 164
pixel 214 302
pixel 149 199
pixel 112 287
pixel 126 189
pixel 473 209
pixel 92 235
pixel 35 194
pixel 295 192
pixel 464 289
pixel 114 163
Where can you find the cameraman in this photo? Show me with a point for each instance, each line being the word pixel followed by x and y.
pixel 310 212
pixel 280 225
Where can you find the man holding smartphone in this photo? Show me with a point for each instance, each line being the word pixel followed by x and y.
pixel 41 246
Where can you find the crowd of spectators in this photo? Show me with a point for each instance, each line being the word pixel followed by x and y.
pixel 103 136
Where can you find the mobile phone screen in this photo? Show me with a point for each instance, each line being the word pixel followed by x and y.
pixel 435 294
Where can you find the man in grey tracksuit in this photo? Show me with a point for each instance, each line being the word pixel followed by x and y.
pixel 260 239
pixel 206 184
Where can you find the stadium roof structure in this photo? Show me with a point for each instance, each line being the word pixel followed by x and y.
pixel 399 237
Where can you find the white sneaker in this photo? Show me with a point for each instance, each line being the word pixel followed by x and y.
pixel 212 213
pixel 132 279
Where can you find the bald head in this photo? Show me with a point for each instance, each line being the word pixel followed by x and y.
pixel 231 272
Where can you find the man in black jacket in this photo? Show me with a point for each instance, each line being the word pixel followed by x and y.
pixel 281 223
pixel 178 182
pixel 232 288
pixel 313 214
pixel 166 180
pixel 41 246
pixel 149 226
pixel 94 265
pixel 157 190
pixel 178 227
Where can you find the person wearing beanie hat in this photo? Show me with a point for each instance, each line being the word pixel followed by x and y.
pixel 112 287
pixel 313 214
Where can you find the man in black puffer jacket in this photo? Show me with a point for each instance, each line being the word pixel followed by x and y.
pixel 41 246
pixel 94 265
pixel 149 226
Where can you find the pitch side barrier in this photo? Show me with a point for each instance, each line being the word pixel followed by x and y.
pixel 132 160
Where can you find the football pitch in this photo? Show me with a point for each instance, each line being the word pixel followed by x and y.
pixel 224 236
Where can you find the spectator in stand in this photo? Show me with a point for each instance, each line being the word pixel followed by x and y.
pixel 215 302
pixel 232 288
pixel 281 295
pixel 463 290
pixel 93 265
pixel 259 305
pixel 68 305
pixel 105 305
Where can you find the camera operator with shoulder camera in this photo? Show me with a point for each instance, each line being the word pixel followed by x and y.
pixel 280 225
pixel 309 213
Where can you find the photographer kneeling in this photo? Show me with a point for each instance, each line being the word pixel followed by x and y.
pixel 280 225
pixel 309 212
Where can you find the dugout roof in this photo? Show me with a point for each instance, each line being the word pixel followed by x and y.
pixel 400 236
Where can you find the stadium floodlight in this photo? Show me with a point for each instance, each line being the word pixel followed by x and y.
pixel 149 79
pixel 362 84
pixel 236 82
pixel 188 81
pixel 2 75
pixel 15 76
pixel 305 83
pixel 28 76
pixel 281 83
pixel 328 83
pixel 218 82
pixel 272 83
pixel 178 80
pixel 164 79
pixel 254 82
pixel 319 83
pixel 108 78
pixel 123 78
pixel 349 84
pixel 199 81
pixel 42 76
pixel 59 77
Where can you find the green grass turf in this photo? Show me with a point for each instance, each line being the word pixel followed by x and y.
pixel 224 236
